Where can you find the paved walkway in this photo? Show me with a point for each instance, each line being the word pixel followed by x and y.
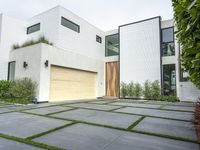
pixel 98 125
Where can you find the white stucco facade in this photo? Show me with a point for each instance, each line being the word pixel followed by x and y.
pixel 140 51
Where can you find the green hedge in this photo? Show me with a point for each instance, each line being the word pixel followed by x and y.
pixel 18 91
pixel 150 90
pixel 187 18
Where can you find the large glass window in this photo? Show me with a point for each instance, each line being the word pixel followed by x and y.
pixel 169 79
pixel 69 24
pixel 168 48
pixel 33 28
pixel 11 70
pixel 112 45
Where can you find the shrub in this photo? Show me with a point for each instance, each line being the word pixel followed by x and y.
pixel 41 39
pixel 123 89
pixel 24 89
pixel 169 98
pixel 147 89
pixel 155 90
pixel 131 89
pixel 138 90
pixel 5 88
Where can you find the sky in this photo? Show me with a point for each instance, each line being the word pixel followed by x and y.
pixel 104 14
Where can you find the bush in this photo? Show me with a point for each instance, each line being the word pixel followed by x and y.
pixel 147 89
pixel 169 98
pixel 5 88
pixel 150 90
pixel 123 89
pixel 138 90
pixel 155 90
pixel 24 88
pixel 18 91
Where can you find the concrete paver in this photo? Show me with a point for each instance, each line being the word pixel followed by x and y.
pixel 25 125
pixel 99 117
pixel 167 127
pixel 158 113
pixel 136 105
pixel 88 137
pixel 13 145
pixel 47 110
pixel 95 106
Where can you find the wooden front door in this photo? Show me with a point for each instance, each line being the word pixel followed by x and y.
pixel 112 79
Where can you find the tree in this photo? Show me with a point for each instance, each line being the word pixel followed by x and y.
pixel 187 18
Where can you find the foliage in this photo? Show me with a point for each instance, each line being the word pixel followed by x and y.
pixel 187 17
pixel 18 91
pixel 123 89
pixel 169 98
pixel 41 39
pixel 5 88
pixel 24 88
pixel 150 90
pixel 155 89
pixel 147 89
pixel 138 90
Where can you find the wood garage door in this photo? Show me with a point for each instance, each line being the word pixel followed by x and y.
pixel 69 84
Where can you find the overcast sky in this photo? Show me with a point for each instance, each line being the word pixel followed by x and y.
pixel 105 14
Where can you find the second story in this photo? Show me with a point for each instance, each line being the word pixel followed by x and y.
pixel 61 27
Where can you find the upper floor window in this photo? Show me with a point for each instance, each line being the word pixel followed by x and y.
pixel 33 28
pixel 69 24
pixel 168 48
pixel 98 39
pixel 112 45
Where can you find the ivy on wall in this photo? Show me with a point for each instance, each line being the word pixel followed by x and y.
pixel 187 18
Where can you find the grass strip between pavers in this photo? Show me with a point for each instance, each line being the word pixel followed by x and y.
pixel 49 131
pixel 122 129
pixel 29 142
pixel 61 111
pixel 154 108
pixel 135 123
pixel 161 107
pixel 126 113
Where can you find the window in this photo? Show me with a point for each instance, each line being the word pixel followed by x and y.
pixel 112 45
pixel 168 48
pixel 69 24
pixel 169 79
pixel 98 39
pixel 33 28
pixel 11 70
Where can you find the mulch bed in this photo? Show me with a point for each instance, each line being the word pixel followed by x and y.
pixel 197 119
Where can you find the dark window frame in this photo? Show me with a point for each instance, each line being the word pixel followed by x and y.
pixel 8 75
pixel 106 44
pixel 173 41
pixel 31 27
pixel 98 39
pixel 70 22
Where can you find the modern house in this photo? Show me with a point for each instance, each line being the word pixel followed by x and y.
pixel 86 62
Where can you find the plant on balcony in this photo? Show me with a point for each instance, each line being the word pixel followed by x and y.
pixel 41 39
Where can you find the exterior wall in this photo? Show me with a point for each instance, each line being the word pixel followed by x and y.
pixel 82 43
pixel 31 55
pixel 140 51
pixel 36 56
pixel 12 32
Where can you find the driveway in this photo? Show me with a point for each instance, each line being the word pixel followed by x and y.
pixel 98 125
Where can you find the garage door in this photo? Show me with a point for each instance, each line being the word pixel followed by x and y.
pixel 69 84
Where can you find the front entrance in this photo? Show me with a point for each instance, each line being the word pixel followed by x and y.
pixel 112 79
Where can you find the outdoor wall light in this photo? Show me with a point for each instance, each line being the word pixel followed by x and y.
pixel 25 64
pixel 46 63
